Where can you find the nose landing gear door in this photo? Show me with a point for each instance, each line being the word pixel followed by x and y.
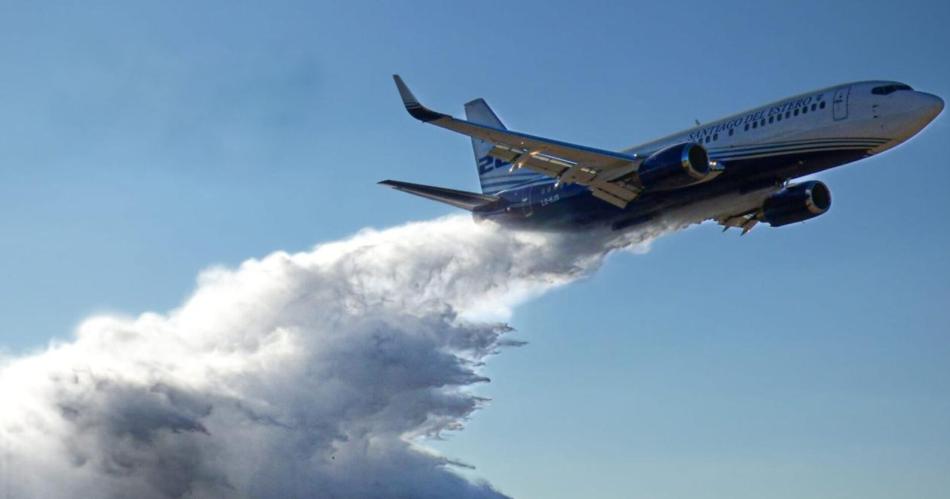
pixel 840 103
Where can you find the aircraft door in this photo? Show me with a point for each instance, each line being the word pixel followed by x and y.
pixel 840 103
pixel 527 209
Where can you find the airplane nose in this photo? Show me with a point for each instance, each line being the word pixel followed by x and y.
pixel 931 105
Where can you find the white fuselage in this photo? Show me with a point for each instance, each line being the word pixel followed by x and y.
pixel 842 119
pixel 842 113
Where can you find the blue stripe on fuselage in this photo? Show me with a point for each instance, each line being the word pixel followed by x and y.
pixel 794 143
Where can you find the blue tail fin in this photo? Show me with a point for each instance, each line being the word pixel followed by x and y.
pixel 492 172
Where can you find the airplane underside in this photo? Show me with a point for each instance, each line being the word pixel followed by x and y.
pixel 743 182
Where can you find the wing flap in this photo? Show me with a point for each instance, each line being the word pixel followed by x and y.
pixel 608 197
pixel 536 161
pixel 625 192
pixel 745 221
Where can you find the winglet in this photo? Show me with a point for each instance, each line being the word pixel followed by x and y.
pixel 417 110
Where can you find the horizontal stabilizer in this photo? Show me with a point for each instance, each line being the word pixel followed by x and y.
pixel 470 201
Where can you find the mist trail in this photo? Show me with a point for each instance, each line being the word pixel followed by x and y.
pixel 295 375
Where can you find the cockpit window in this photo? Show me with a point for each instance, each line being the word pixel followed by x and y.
pixel 889 89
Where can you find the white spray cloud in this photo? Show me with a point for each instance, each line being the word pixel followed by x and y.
pixel 297 375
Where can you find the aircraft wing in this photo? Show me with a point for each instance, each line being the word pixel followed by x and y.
pixel 610 176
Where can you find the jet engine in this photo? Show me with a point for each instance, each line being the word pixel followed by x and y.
pixel 796 203
pixel 674 167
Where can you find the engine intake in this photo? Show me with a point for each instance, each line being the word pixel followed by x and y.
pixel 674 167
pixel 796 203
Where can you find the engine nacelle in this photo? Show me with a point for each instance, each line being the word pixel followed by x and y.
pixel 676 166
pixel 796 203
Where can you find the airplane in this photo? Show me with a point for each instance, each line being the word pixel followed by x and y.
pixel 737 170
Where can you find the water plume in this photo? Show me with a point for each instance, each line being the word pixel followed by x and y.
pixel 315 374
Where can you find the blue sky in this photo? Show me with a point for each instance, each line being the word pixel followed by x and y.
pixel 141 144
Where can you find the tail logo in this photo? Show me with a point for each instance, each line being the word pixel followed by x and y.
pixel 488 163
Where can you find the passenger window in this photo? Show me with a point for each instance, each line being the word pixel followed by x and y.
pixel 771 119
pixel 788 114
pixel 814 106
pixel 762 123
pixel 804 109
pixel 755 124
pixel 822 105
pixel 796 112
pixel 778 117
pixel 747 127
pixel 731 131
pixel 715 136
